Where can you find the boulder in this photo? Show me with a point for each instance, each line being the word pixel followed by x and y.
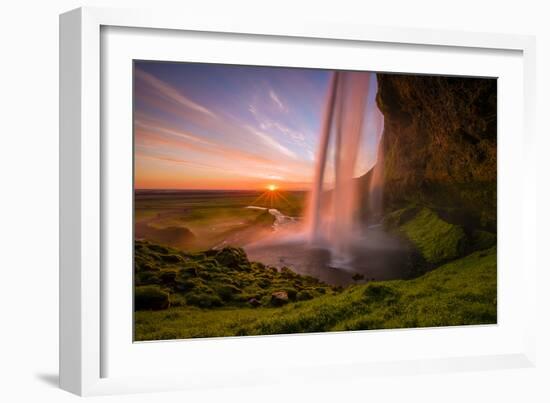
pixel 279 298
pixel 234 258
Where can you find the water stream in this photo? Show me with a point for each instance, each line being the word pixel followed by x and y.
pixel 333 213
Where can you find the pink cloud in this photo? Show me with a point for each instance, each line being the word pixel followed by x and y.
pixel 171 93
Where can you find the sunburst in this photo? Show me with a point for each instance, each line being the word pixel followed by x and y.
pixel 271 196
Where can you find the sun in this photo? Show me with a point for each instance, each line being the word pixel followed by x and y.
pixel 271 197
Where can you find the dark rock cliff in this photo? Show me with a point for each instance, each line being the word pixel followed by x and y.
pixel 440 145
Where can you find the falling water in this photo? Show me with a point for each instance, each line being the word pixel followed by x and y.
pixel 332 214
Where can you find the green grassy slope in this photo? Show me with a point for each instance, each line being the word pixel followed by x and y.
pixel 462 292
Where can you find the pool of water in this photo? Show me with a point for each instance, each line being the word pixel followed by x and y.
pixel 375 255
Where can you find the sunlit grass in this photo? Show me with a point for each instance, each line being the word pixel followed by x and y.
pixel 462 292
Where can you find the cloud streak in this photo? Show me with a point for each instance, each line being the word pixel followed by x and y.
pixel 165 90
pixel 269 141
pixel 276 100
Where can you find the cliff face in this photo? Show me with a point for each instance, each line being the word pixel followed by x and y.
pixel 439 143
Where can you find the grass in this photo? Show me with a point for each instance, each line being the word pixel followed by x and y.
pixel 213 293
pixel 462 292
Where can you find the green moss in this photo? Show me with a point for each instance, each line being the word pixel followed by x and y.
pixel 376 292
pixel 304 295
pixel 219 277
pixel 482 240
pixel 168 277
pixel 151 297
pixel 227 292
pixel 437 240
pixel 147 277
pixel 203 300
pixel 462 292
pixel 234 258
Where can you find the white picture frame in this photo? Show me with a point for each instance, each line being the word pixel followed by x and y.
pixel 85 343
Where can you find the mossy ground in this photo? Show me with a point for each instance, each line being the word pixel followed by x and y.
pixel 437 240
pixel 214 278
pixel 462 292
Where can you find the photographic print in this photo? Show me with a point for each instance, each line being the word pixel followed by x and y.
pixel 275 200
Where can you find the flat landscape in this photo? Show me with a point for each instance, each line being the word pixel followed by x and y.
pixel 196 220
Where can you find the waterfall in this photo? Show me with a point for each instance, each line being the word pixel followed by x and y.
pixel 332 213
pixel 316 196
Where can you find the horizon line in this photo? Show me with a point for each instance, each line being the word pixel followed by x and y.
pixel 221 190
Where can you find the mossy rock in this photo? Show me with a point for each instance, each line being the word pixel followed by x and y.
pixel 157 248
pixel 258 266
pixel 184 285
pixel 172 258
pixel 279 298
pixel 292 293
pixel 199 257
pixel 232 258
pixel 437 240
pixel 322 290
pixel 264 282
pixel 151 297
pixel 227 291
pixel 190 270
pixel 203 300
pixel 147 278
pixel 144 265
pixel 483 240
pixel 304 295
pixel 168 277
pixel 216 278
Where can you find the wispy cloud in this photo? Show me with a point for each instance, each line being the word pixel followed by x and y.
pixel 267 123
pixel 274 97
pixel 173 132
pixel 170 139
pixel 173 160
pixel 271 142
pixel 170 92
